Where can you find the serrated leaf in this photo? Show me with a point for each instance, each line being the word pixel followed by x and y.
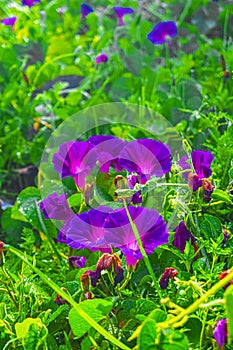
pixel 221 195
pixel 97 308
pixel 211 226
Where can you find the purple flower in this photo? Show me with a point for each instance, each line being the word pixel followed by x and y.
pixel 30 3
pixel 162 31
pixel 56 207
pixel 10 21
pixel 121 12
pixel 107 148
pixel 220 332
pixel 201 163
pixel 169 272
pixel 86 230
pixel 146 157
pixel 61 10
pixel 182 236
pixel 85 10
pixel 75 159
pixel 77 261
pixel 132 181
pixel 151 227
pixel 101 58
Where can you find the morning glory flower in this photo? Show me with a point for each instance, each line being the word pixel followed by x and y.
pixel 10 21
pixel 162 31
pixel 101 58
pixel 56 207
pixel 182 236
pixel 86 230
pixel 107 148
pixel 121 12
pixel 132 181
pixel 112 263
pixel 201 161
pixel 146 157
pixel 85 10
pixel 119 233
pixel 76 159
pixel 220 332
pixel 30 3
pixel 77 261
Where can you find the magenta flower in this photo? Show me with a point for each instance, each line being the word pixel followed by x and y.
pixel 220 332
pixel 201 161
pixel 75 159
pixel 151 227
pixel 85 10
pixel 10 21
pixel 146 157
pixel 56 207
pixel 121 12
pixel 101 58
pixel 182 236
pixel 77 261
pixel 30 3
pixel 162 31
pixel 107 148
pixel 86 230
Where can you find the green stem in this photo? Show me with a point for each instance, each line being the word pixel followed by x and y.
pixel 142 250
pixel 184 12
pixel 48 63
pixel 65 296
pixel 47 235
pixel 198 302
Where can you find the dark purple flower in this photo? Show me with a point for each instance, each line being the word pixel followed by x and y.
pixel 56 207
pixel 224 274
pixel 59 301
pixel 77 261
pixel 146 157
pixel 75 159
pixel 86 230
pixel 107 148
pixel 201 161
pixel 112 263
pixel 101 58
pixel 182 236
pixel 90 276
pixel 162 31
pixel 151 227
pixel 85 10
pixel 132 181
pixel 30 3
pixel 10 21
pixel 220 332
pixel 169 272
pixel 121 12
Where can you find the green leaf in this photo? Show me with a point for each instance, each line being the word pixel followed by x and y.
pixel 23 328
pixel 221 195
pixel 228 297
pixel 98 309
pixel 174 340
pixel 158 315
pixel 75 200
pixel 211 227
pixel 146 339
